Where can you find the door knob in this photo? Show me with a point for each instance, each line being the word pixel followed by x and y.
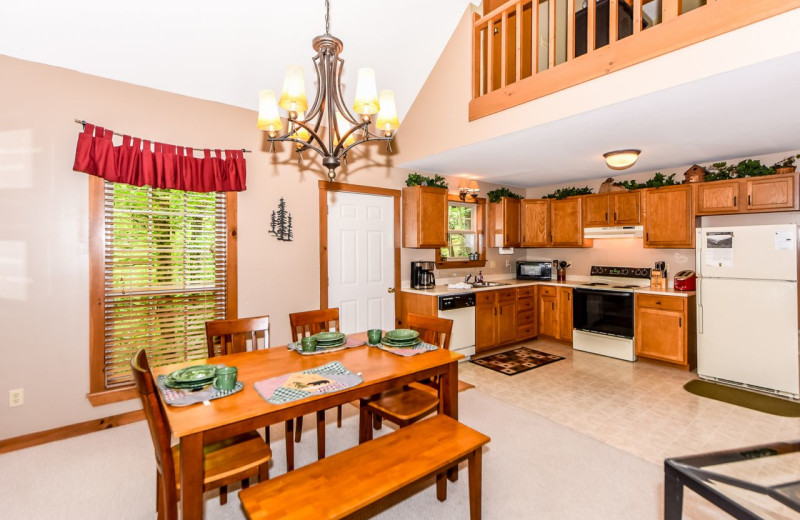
pixel 390 290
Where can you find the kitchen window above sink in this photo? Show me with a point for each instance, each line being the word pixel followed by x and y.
pixel 465 235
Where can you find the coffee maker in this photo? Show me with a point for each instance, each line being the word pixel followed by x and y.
pixel 422 275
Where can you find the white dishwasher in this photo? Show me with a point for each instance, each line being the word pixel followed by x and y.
pixel 461 309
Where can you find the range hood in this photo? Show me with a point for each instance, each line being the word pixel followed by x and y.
pixel 612 232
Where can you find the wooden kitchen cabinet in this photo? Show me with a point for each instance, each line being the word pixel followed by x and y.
pixel 564 308
pixel 612 209
pixel 566 222
pixel 504 223
pixel 548 311
pixel 535 222
pixel 665 329
pixel 526 313
pixel 424 217
pixel 668 217
pixel 750 195
pixel 771 193
pixel 718 197
pixel 495 318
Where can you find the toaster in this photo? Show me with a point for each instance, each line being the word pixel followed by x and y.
pixel 685 281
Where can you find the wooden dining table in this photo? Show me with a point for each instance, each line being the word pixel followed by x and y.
pixel 200 424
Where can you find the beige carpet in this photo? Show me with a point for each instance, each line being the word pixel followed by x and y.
pixel 533 468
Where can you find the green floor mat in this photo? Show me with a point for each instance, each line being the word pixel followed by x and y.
pixel 745 398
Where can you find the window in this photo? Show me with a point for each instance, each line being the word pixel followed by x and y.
pixel 159 270
pixel 465 235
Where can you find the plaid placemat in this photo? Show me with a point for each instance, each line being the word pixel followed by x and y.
pixel 185 397
pixel 333 377
pixel 419 348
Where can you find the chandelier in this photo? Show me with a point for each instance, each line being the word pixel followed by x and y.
pixel 344 130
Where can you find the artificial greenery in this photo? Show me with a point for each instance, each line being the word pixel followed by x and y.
pixel 499 193
pixel 563 193
pixel 415 179
pixel 786 163
pixel 747 168
pixel 658 180
pixel 720 171
pixel 752 168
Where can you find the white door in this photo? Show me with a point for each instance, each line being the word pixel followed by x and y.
pixel 361 260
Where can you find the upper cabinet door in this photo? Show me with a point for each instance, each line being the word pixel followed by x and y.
pixel 535 221
pixel 669 220
pixel 718 197
pixel 424 217
pixel 504 223
pixel 596 210
pixel 566 222
pixel 771 193
pixel 626 208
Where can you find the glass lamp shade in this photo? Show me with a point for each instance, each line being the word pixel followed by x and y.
pixel 621 159
pixel 268 117
pixel 387 116
pixel 344 126
pixel 293 95
pixel 366 93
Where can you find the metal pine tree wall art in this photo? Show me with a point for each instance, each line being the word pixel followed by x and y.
pixel 280 223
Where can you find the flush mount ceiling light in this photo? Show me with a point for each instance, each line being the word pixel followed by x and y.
pixel 621 159
pixel 344 130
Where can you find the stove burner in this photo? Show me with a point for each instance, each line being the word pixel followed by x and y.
pixel 595 283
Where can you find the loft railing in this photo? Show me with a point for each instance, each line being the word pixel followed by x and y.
pixel 527 49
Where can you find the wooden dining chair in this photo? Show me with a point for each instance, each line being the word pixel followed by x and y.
pixel 225 337
pixel 305 324
pixel 230 460
pixel 406 405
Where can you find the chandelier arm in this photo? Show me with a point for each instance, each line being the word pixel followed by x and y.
pixel 312 136
pixel 318 105
pixel 343 151
pixel 306 144
pixel 339 98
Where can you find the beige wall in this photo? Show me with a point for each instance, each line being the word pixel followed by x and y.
pixel 630 251
pixel 44 226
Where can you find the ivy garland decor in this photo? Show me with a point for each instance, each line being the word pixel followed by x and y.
pixel 563 193
pixel 495 195
pixel 658 180
pixel 415 179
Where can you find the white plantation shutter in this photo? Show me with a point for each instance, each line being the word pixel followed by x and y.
pixel 164 275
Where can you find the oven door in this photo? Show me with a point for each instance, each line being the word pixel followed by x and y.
pixel 603 312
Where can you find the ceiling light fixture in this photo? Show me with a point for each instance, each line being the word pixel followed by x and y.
pixel 621 159
pixel 344 130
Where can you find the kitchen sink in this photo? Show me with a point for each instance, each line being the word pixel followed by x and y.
pixel 489 284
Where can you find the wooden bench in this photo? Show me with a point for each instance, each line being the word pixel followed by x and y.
pixel 353 479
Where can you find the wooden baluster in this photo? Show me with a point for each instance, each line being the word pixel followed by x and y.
pixel 503 48
pixel 670 9
pixel 591 17
pixel 476 57
pixel 637 16
pixel 534 37
pixel 613 21
pixel 518 40
pixel 570 29
pixel 490 56
pixel 551 34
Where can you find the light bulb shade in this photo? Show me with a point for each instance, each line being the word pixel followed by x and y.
pixel 473 187
pixel 366 93
pixel 300 133
pixel 268 117
pixel 387 116
pixel 343 126
pixel 293 95
pixel 621 159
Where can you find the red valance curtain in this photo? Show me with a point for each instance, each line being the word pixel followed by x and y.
pixel 161 165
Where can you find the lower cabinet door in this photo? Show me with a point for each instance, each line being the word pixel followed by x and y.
pixel 548 316
pixel 506 322
pixel 564 308
pixel 484 326
pixel 660 334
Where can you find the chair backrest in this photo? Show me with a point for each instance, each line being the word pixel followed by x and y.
pixel 311 322
pixel 231 336
pixel 159 429
pixel 433 330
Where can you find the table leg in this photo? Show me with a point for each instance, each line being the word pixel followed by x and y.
pixel 192 476
pixel 321 435
pixel 474 469
pixel 448 402
pixel 673 494
pixel 441 487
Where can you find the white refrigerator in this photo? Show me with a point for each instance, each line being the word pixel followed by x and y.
pixel 747 305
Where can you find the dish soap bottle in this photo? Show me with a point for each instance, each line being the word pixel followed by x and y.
pixel 479 278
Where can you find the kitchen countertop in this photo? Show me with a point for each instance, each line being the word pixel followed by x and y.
pixel 443 290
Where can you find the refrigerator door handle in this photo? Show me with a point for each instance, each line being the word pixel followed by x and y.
pixel 699 305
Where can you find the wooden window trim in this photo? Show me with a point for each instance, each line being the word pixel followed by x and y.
pixel 480 229
pixel 98 394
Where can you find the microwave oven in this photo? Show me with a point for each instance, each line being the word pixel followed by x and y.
pixel 534 270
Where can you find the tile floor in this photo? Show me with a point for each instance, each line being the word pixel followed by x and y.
pixel 639 407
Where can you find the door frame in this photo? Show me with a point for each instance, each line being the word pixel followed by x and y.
pixel 324 188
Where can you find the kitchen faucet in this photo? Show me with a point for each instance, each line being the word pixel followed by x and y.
pixel 466 278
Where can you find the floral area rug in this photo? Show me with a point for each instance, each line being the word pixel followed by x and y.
pixel 517 361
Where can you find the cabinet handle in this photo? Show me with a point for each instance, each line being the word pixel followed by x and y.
pixel 734 200
pixel 647 236
pixel 523 238
pixel 495 311
pixel 615 216
pixel 658 303
pixel 606 217
pixel 554 305
pixel 501 311
pixel 568 296
pixel 680 322
pixel 748 200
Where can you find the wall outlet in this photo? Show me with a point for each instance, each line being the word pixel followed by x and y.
pixel 15 397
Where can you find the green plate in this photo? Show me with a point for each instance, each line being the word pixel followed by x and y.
pixel 405 344
pixel 402 335
pixel 194 374
pixel 329 337
pixel 186 386
pixel 324 346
